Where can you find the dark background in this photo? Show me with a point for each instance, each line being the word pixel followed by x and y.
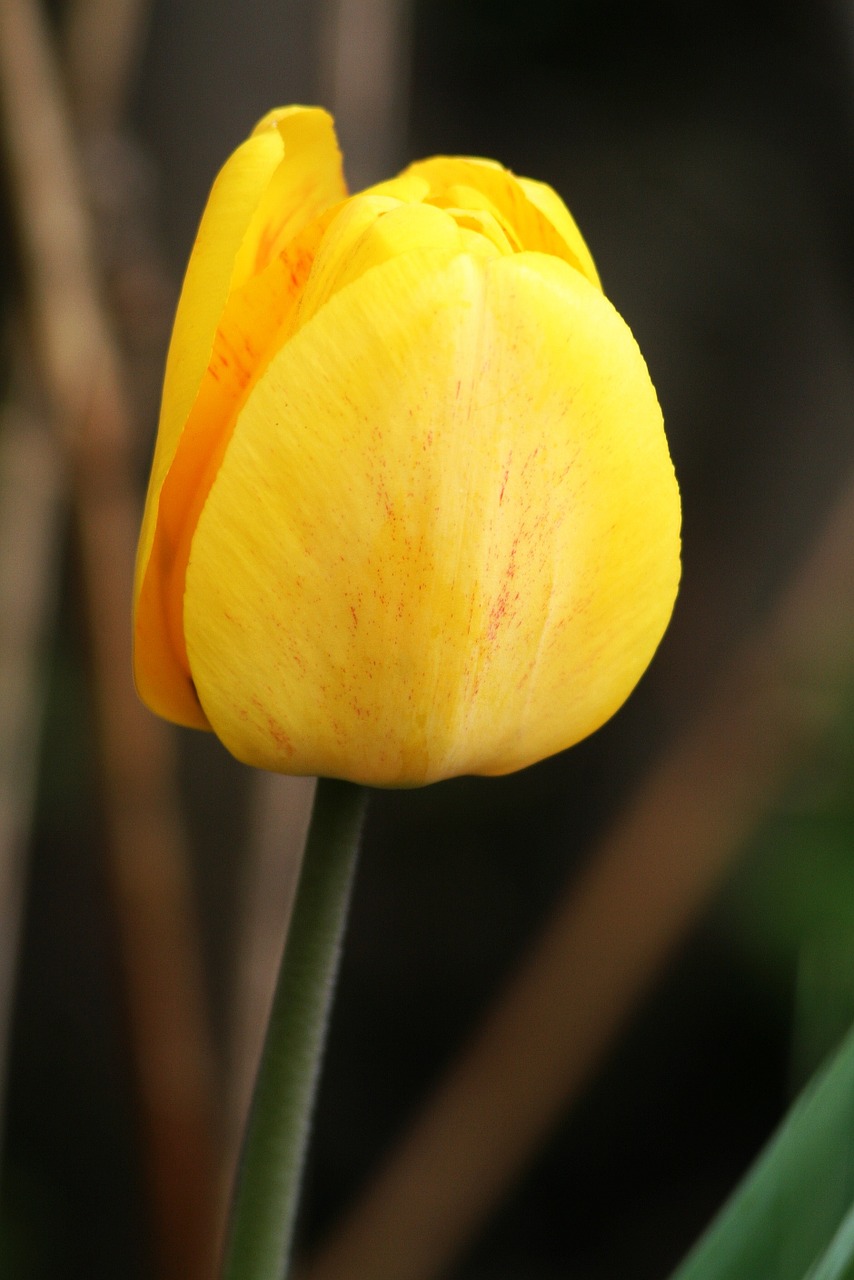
pixel 706 152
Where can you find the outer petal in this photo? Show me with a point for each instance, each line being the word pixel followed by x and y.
pixel 243 280
pixel 231 205
pixel 308 180
pixel 444 536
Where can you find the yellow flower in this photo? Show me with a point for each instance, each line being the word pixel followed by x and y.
pixel 411 511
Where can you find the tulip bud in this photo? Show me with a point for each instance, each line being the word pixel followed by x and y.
pixel 411 511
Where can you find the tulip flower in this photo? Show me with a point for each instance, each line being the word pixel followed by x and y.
pixel 411 512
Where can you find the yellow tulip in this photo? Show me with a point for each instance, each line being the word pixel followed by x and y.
pixel 411 511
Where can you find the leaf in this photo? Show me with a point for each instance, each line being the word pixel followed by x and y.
pixel 792 1217
pixel 838 1261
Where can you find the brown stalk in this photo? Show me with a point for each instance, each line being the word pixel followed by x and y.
pixel 30 502
pixel 611 934
pixel 366 52
pixel 80 367
pixel 102 41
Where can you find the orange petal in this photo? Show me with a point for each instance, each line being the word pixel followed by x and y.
pixel 252 256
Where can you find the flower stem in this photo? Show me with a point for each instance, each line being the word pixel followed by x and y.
pixel 268 1183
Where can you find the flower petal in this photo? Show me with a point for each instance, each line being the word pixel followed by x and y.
pixel 249 263
pixel 528 210
pixel 308 180
pixel 368 231
pixel 548 202
pixel 229 211
pixel 444 535
pixel 263 310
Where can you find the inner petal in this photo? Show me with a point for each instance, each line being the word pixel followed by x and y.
pixel 538 222
pixel 368 232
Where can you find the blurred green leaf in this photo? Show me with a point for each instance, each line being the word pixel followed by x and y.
pixel 838 1261
pixel 791 1218
pixel 790 905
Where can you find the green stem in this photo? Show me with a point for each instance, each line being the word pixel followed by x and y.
pixel 268 1186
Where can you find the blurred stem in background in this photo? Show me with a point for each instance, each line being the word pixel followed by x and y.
pixel 78 360
pixel 101 47
pixel 366 55
pixel 30 503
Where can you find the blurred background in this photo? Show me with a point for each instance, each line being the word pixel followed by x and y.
pixel 706 152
